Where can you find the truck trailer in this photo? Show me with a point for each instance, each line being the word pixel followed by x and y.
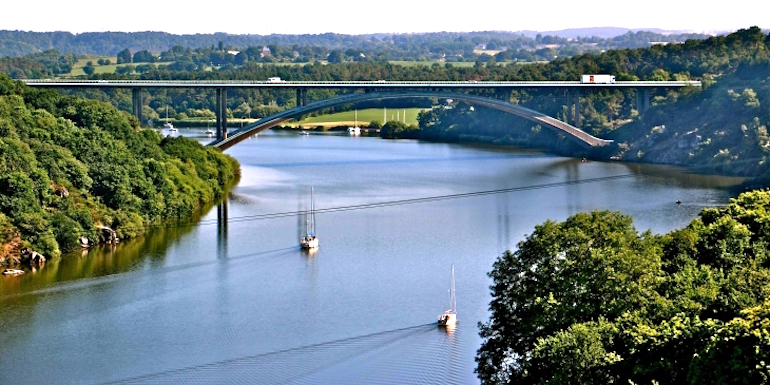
pixel 597 79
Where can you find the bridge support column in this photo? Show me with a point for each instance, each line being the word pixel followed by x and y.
pixel 576 99
pixel 136 94
pixel 301 97
pixel 221 113
pixel 642 99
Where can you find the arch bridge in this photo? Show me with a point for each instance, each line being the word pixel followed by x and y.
pixel 374 90
pixel 580 137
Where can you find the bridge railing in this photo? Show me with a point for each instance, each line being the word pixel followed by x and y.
pixel 356 83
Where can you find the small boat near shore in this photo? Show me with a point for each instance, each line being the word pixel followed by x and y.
pixel 355 130
pixel 13 272
pixel 449 317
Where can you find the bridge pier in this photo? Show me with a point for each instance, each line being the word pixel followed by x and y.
pixel 136 94
pixel 642 100
pixel 576 100
pixel 301 97
pixel 221 113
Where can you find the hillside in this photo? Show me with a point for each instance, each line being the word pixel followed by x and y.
pixel 720 128
pixel 723 129
pixel 416 46
pixel 70 167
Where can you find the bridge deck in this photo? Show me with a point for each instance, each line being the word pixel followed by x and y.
pixel 347 84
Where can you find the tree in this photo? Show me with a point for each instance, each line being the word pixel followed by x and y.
pixel 589 267
pixel 125 70
pixel 242 111
pixel 124 56
pixel 336 56
pixel 144 57
pixel 89 69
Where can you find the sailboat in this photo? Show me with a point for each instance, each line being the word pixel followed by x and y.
pixel 209 131
pixel 310 241
pixel 354 130
pixel 168 124
pixel 449 317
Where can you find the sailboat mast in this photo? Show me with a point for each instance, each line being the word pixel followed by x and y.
pixel 312 209
pixel 452 298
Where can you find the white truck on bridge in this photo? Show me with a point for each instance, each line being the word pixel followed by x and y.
pixel 597 79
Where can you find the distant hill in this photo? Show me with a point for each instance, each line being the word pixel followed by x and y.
pixel 602 32
pixel 22 43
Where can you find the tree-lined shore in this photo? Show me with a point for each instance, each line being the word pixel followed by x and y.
pixel 70 168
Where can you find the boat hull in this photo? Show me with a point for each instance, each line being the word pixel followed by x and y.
pixel 447 319
pixel 309 242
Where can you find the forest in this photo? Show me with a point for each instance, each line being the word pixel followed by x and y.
pixel 70 167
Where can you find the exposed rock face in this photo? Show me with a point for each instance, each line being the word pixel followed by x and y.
pixel 108 235
pixel 84 242
pixel 10 243
pixel 32 257
pixel 59 190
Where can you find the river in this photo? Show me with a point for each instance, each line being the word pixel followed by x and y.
pixel 239 302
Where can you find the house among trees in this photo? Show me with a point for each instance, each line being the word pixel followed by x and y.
pixel 265 52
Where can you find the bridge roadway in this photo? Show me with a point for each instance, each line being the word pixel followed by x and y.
pixel 581 137
pixel 379 89
pixel 380 84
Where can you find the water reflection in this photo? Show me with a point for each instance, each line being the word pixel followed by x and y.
pixel 222 221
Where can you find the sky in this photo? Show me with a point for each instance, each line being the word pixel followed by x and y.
pixel 394 16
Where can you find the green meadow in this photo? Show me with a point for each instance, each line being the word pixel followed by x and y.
pixel 364 117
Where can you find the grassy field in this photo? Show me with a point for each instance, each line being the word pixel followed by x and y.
pixel 459 64
pixel 364 117
pixel 77 69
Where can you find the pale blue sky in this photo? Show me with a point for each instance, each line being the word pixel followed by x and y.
pixel 356 17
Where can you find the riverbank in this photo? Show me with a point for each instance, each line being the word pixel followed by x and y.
pixel 80 172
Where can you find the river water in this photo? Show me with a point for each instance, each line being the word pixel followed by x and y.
pixel 237 301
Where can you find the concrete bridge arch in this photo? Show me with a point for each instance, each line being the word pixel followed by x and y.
pixel 580 137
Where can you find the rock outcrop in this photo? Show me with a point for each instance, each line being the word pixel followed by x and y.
pixel 32 258
pixel 108 235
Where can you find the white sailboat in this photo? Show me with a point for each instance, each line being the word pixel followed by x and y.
pixel 310 240
pixel 168 125
pixel 355 130
pixel 449 317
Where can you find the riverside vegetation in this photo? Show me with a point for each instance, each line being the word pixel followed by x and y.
pixel 70 166
pixel 591 301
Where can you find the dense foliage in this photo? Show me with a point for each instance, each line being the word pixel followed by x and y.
pixel 69 165
pixel 590 300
